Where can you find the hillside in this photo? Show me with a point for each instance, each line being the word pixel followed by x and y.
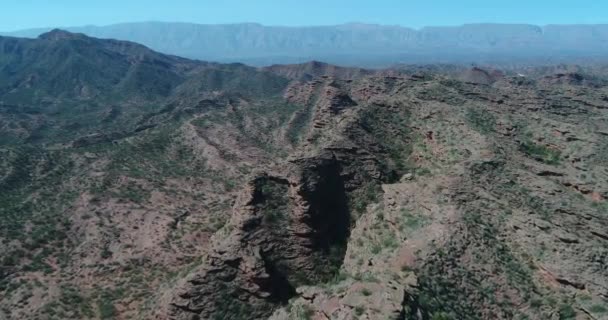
pixel 369 45
pixel 106 189
pixel 136 185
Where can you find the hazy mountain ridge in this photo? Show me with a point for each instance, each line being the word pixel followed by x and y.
pixel 361 44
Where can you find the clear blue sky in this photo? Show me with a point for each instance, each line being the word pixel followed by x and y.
pixel 20 14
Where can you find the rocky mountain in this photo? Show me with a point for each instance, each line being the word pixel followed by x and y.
pixel 314 69
pixel 364 44
pixel 296 192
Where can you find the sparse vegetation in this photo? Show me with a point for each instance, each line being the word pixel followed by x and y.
pixel 299 124
pixel 304 312
pixel 274 202
pixel 482 121
pixel 364 197
pixel 411 221
pixel 389 125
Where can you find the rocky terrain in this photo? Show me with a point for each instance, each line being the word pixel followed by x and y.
pixel 142 186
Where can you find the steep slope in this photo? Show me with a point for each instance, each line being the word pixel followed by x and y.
pixel 58 61
pixel 107 195
pixel 62 84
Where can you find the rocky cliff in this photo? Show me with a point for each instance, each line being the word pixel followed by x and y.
pixel 482 211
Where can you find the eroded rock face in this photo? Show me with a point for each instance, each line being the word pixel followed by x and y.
pixel 285 231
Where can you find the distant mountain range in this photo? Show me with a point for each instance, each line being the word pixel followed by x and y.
pixel 362 44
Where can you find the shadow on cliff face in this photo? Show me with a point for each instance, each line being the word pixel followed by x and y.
pixel 299 246
pixel 292 231
pixel 281 290
pixel 329 215
pixel 271 199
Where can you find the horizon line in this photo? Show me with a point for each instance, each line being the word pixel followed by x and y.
pixel 352 23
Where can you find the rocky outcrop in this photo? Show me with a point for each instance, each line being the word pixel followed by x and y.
pixel 569 78
pixel 314 69
pixel 285 232
pixel 290 228
pixel 91 139
pixel 481 76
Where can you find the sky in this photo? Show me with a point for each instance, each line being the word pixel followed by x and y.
pixel 23 14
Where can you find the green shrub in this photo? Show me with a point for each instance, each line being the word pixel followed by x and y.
pixel 566 312
pixel 359 310
pixel 597 308
pixel 106 309
pixel 541 153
